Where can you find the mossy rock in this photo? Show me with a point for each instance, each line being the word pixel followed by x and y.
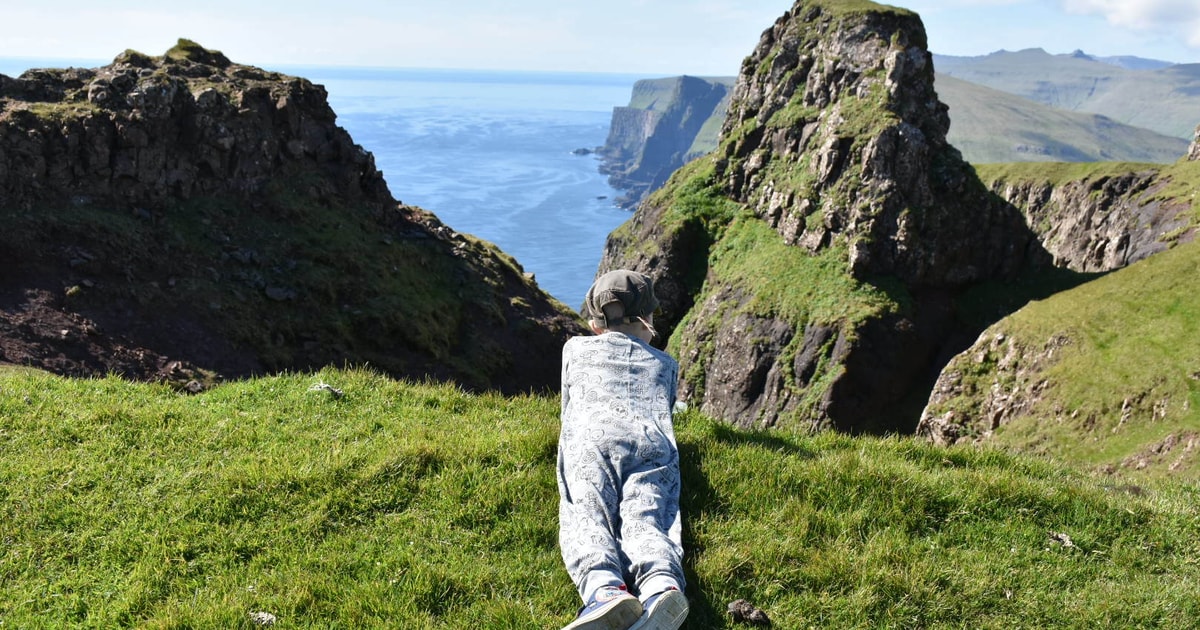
pixel 191 51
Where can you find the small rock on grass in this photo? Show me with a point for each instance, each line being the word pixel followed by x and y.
pixel 743 611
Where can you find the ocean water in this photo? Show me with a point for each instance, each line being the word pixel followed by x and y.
pixel 491 154
pixel 488 152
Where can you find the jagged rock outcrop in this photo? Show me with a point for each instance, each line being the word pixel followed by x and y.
pixel 834 252
pixel 835 141
pixel 1101 223
pixel 1193 153
pixel 1015 389
pixel 667 123
pixel 837 135
pixel 142 131
pixel 185 210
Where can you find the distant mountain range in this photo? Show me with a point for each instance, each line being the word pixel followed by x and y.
pixel 989 125
pixel 1023 106
pixel 1161 98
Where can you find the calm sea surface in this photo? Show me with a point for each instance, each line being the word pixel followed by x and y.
pixel 489 152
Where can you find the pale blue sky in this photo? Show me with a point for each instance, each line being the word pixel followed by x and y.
pixel 666 37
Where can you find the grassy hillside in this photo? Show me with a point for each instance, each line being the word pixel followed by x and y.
pixel 990 126
pixel 1121 387
pixel 217 215
pixel 402 505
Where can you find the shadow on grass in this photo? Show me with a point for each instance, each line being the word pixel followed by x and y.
pixel 699 497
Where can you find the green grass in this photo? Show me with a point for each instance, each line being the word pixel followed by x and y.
pixel 393 506
pixel 694 194
pixel 791 283
pixel 1131 338
pixel 770 279
pixel 1182 183
pixel 1058 173
pixel 405 505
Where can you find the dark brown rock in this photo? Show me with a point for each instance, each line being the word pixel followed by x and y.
pixel 849 126
pixel 742 611
pixel 1102 223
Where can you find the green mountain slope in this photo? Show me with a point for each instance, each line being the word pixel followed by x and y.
pixel 990 126
pixel 1105 375
pixel 1165 100
pixel 346 499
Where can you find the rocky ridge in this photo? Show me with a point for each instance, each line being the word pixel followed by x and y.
pixel 186 218
pixel 1003 377
pixel 836 142
pixel 1101 222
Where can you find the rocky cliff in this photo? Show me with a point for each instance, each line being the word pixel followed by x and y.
pixel 184 217
pixel 1129 335
pixel 1104 375
pixel 811 260
pixel 667 123
pixel 816 266
pixel 1097 218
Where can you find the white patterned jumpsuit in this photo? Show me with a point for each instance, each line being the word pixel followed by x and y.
pixel 618 466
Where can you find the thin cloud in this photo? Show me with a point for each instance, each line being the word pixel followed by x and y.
pixel 1174 18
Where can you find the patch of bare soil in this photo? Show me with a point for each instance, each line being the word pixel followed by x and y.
pixel 37 331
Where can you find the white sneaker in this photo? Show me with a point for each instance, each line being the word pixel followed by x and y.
pixel 663 611
pixel 610 608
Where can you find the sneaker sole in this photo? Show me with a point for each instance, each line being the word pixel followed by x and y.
pixel 618 615
pixel 668 613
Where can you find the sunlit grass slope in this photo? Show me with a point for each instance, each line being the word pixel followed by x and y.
pixel 400 505
pixel 1124 376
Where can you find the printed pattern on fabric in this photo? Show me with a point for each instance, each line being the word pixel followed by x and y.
pixel 618 464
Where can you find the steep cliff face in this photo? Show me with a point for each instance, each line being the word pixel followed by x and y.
pixel 1101 221
pixel 836 137
pixel 143 131
pixel 667 123
pixel 810 262
pixel 183 217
